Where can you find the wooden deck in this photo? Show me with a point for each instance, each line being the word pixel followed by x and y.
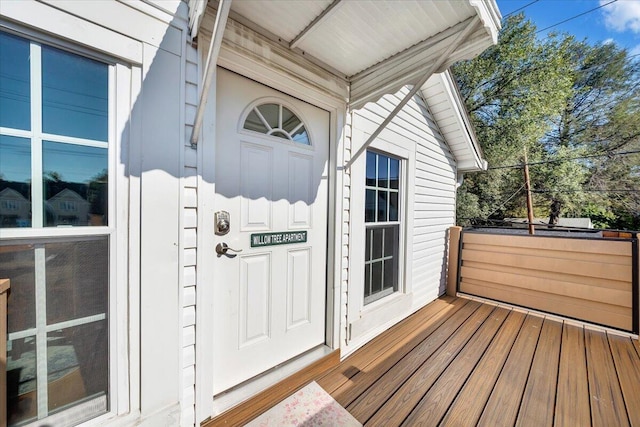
pixel 460 362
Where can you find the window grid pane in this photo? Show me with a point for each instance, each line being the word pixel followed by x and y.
pixel 66 325
pixel 381 266
pixel 382 214
pixel 74 95
pixel 70 95
pixel 15 182
pixel 15 82
pixel 278 121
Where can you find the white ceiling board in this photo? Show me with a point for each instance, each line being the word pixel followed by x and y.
pixel 356 34
pixel 284 18
pixel 377 45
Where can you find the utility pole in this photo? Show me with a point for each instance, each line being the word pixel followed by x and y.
pixel 527 185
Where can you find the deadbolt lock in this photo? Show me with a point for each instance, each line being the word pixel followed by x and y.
pixel 222 223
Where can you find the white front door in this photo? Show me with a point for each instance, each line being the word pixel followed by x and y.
pixel 272 178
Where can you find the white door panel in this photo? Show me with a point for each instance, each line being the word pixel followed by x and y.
pixel 269 300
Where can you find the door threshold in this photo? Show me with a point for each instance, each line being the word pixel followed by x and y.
pixel 249 399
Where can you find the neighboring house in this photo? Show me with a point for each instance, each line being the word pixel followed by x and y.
pixel 68 208
pixel 14 208
pixel 303 209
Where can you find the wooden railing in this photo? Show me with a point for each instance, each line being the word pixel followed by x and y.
pixel 590 279
pixel 4 290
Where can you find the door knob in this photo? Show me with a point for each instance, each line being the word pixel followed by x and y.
pixel 223 248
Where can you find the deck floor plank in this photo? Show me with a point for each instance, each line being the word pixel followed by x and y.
pixel 365 374
pixel 372 398
pixel 455 361
pixel 400 334
pixel 539 397
pixel 435 403
pixel 504 402
pixel 572 398
pixel 607 404
pixel 468 405
pixel 636 344
pixel 627 364
pixel 397 406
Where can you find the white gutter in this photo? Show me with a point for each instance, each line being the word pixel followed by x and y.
pixel 460 38
pixel 212 58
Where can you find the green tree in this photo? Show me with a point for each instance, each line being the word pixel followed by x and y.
pixel 576 109
pixel 512 92
pixel 601 116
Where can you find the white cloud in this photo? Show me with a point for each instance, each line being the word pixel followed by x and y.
pixel 609 41
pixel 622 15
pixel 635 50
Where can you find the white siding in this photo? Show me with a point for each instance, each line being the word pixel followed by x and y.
pixel 434 193
pixel 190 240
pixel 346 227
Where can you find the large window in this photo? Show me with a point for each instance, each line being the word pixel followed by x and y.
pixel 55 235
pixel 382 226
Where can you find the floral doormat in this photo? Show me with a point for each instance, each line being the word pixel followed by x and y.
pixel 310 406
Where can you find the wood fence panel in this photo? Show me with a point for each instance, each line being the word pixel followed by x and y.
pixel 586 279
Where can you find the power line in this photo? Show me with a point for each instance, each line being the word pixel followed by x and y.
pixel 542 162
pixel 584 190
pixel 576 16
pixel 506 201
pixel 520 8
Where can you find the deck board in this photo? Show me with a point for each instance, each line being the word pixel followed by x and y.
pixel 607 405
pixel 399 336
pixel 636 344
pixel 572 396
pixel 504 402
pixel 398 405
pixel 627 364
pixel 434 404
pixel 539 396
pixel 358 373
pixel 467 408
pixel 374 397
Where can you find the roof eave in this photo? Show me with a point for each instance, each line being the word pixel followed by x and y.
pixel 469 155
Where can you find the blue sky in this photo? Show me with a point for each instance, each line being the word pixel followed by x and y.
pixel 617 22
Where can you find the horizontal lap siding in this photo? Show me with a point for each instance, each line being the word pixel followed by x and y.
pixel 190 241
pixel 589 280
pixel 434 191
pixel 434 202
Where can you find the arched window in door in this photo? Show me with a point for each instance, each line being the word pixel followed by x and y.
pixel 277 120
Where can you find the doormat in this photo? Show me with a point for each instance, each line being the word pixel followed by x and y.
pixel 310 406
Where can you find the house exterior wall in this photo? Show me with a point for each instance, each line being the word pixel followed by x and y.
pixel 430 202
pixel 163 266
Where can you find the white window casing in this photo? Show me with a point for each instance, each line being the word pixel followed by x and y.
pixel 120 82
pixel 366 319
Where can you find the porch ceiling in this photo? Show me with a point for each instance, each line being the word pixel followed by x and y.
pixel 378 46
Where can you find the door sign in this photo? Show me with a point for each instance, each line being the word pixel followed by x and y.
pixel 282 238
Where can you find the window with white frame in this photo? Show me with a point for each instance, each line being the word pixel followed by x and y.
pixel 277 120
pixel 382 226
pixel 54 187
